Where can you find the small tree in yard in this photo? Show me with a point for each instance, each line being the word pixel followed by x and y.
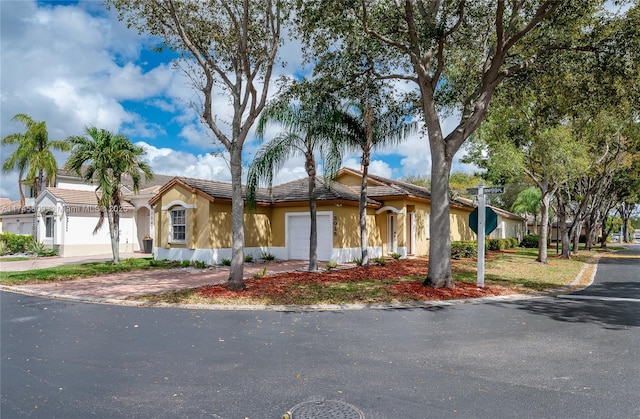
pixel 230 45
pixel 310 127
pixel 103 158
pixel 33 157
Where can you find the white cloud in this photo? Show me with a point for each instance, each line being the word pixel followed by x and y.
pixel 76 65
pixel 168 161
pixel 380 168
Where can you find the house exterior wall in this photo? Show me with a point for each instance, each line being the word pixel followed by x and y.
pixel 209 228
pixel 209 233
pixel 73 229
pixel 422 221
pixel 18 224
pixel 80 185
pixel 460 228
pixel 508 227
pixel 346 234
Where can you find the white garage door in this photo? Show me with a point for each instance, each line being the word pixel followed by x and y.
pixel 299 230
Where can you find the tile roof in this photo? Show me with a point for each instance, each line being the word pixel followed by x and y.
pixel 401 188
pixel 8 207
pixel 77 197
pixel 72 196
pixel 217 189
pixel 298 190
pixel 158 179
pixel 294 191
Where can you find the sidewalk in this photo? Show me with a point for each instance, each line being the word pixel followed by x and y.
pixel 129 284
pixel 50 262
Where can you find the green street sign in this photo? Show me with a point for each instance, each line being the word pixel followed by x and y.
pixel 490 221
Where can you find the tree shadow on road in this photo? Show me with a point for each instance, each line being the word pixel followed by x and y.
pixel 616 315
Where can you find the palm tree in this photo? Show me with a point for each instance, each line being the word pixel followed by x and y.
pixel 104 158
pixel 370 130
pixel 528 202
pixel 309 128
pixel 33 155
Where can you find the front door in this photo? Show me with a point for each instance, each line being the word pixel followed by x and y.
pixel 411 233
pixel 392 234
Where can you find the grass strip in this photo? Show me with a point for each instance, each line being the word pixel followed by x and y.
pixel 83 270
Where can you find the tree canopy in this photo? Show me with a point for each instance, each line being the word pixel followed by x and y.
pixel 228 47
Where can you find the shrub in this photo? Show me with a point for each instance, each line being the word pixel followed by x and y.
pixel 38 248
pixel 3 248
pixel 16 243
pixel 379 261
pixel 530 241
pixel 357 261
pixel 185 263
pixel 248 258
pixel 267 256
pixel 464 249
pixel 260 273
pixel 198 264
pixel 396 256
pixel 332 264
pixel 501 244
pixel 225 262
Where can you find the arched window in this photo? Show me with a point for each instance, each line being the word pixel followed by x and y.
pixel 178 225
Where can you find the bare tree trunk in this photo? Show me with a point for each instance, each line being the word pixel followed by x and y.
pixel 313 235
pixel 313 212
pixel 113 217
pixel 576 235
pixel 364 248
pixel 626 209
pixel 20 189
pixel 236 272
pixel 439 271
pixel 544 226
pixel 366 159
pixel 564 230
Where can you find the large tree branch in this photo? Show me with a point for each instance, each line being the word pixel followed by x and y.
pixel 385 39
pixel 545 10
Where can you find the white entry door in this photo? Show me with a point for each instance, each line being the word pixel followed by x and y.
pixel 392 234
pixel 299 232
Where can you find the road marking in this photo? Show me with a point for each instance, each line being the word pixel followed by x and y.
pixel 595 297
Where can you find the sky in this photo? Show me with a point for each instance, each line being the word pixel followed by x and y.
pixel 74 65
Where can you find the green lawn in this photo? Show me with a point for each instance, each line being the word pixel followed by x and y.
pixel 84 270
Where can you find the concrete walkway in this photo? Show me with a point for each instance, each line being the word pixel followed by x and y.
pixel 129 284
pixel 50 262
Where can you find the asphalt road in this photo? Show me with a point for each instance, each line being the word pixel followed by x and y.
pixel 570 357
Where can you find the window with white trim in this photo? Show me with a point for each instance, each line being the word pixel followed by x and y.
pixel 178 225
pixel 49 225
pixel 427 227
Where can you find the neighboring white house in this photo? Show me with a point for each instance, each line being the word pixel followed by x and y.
pixel 65 216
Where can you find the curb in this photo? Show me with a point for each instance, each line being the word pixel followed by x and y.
pixel 588 271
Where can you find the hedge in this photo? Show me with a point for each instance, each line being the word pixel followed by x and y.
pixel 16 243
pixel 464 249
pixel 501 244
pixel 530 241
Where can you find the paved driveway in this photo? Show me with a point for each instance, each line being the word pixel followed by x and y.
pixel 535 358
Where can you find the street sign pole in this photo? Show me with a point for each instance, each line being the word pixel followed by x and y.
pixel 481 228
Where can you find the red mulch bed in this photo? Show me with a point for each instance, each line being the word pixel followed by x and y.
pixel 271 286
